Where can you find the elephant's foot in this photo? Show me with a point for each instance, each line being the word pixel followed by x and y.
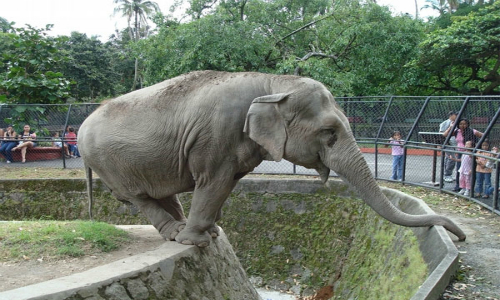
pixel 171 229
pixel 214 231
pixel 189 236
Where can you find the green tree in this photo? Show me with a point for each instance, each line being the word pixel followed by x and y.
pixel 355 48
pixel 136 10
pixel 463 58
pixel 6 26
pixel 88 66
pixel 29 61
pixel 360 50
pixel 122 60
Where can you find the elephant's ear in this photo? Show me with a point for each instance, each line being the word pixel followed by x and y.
pixel 266 126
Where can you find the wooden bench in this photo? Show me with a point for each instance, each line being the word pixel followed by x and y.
pixel 38 153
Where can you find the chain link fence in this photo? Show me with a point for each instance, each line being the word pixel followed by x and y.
pixel 51 124
pixel 372 119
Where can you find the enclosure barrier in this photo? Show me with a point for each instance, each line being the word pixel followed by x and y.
pixel 372 120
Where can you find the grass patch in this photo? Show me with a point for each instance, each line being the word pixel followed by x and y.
pixel 56 239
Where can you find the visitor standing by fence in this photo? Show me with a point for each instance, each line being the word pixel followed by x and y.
pixel 483 171
pixel 462 135
pixel 465 170
pixel 397 155
pixel 449 163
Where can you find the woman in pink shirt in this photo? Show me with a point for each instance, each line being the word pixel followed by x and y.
pixel 462 134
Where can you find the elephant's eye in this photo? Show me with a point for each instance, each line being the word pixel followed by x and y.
pixel 332 139
pixel 331 136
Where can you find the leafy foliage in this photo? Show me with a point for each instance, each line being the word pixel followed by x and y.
pixel 136 11
pixel 464 57
pixel 29 62
pixel 88 65
pixel 354 47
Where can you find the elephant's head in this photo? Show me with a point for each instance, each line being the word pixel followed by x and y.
pixel 306 127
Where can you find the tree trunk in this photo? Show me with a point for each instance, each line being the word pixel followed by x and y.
pixel 416 10
pixel 136 65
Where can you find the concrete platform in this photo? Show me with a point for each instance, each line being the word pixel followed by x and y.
pixel 172 271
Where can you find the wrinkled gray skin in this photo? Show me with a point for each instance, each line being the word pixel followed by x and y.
pixel 205 130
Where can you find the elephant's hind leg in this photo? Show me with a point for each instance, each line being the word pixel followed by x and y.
pixel 174 207
pixel 166 224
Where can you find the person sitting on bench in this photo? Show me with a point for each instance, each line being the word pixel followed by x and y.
pixel 27 140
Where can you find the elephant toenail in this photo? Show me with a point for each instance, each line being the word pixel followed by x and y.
pixel 203 244
pixel 187 242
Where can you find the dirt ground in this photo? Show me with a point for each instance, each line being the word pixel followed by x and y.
pixel 479 274
pixel 478 278
pixel 19 274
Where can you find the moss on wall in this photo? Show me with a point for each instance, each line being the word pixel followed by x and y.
pixel 320 240
pixel 294 241
pixel 384 262
pixel 64 199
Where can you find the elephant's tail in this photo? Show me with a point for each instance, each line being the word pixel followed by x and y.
pixel 88 173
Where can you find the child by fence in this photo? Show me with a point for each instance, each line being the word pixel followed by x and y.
pixel 397 155
pixel 465 180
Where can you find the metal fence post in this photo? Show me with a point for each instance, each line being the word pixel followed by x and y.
pixel 379 133
pixel 64 133
pixel 412 129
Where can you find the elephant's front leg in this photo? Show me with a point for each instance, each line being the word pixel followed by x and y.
pixel 205 210
pixel 214 231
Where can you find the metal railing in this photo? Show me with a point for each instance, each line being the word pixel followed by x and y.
pixel 372 119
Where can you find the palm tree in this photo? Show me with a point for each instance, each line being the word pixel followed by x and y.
pixel 439 5
pixel 453 4
pixel 138 10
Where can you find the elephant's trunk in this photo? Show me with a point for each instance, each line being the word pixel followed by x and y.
pixel 357 173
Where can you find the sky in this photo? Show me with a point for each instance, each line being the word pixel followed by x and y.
pixel 95 17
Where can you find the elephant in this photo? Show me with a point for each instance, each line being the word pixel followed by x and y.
pixel 205 130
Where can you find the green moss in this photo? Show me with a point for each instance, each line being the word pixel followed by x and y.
pixel 384 263
pixel 320 240
pixel 61 200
